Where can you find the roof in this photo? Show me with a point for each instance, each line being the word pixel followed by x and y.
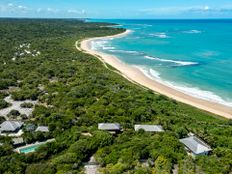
pixel 109 126
pixel 149 128
pixel 17 141
pixel 196 145
pixel 10 126
pixel 42 129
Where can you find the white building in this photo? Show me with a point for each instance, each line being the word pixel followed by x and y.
pixel 42 129
pixel 196 146
pixel 149 128
pixel 110 127
pixel 11 126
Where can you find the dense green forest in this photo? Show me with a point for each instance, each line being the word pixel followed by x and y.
pixel 76 92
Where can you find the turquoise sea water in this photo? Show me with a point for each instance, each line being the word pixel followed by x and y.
pixel 192 56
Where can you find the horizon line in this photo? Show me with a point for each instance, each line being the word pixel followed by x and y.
pixel 15 17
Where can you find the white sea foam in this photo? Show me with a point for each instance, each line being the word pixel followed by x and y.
pixel 185 88
pixel 160 35
pixel 180 63
pixel 155 74
pixel 192 32
pixel 101 44
pixel 108 48
pixel 152 74
pixel 199 93
pixel 127 52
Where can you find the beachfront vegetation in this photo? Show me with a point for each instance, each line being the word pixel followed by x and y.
pixel 76 92
pixel 3 103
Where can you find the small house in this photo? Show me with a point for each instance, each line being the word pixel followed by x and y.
pixel 11 126
pixel 149 128
pixel 18 142
pixel 110 127
pixel 42 129
pixel 195 146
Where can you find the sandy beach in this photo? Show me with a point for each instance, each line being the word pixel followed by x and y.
pixel 135 75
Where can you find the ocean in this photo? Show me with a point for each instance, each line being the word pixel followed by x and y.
pixel 191 56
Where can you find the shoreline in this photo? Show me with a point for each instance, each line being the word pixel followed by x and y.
pixel 134 75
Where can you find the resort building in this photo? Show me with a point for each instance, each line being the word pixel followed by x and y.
pixel 18 142
pixel 195 146
pixel 110 127
pixel 149 128
pixel 42 129
pixel 11 126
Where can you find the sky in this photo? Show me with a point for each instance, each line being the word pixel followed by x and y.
pixel 130 9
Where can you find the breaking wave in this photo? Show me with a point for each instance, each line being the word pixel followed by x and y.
pixel 127 52
pixel 160 35
pixel 180 63
pixel 184 88
pixel 192 32
pixel 101 44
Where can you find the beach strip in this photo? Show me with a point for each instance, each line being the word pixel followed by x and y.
pixel 135 75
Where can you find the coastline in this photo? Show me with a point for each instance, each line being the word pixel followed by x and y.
pixel 136 76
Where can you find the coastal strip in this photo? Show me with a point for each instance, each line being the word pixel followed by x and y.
pixel 135 75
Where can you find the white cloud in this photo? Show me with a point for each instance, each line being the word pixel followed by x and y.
pixel 183 10
pixel 15 9
pixel 39 10
pixel 83 11
pixel 10 5
pixel 206 7
pixel 22 7
pixel 162 11
pixel 12 8
pixel 79 12
pixel 73 11
pixel 51 10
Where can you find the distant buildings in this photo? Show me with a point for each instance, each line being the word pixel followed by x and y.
pixel 110 127
pixel 42 129
pixel 149 128
pixel 11 126
pixel 15 129
pixel 195 146
pixel 115 127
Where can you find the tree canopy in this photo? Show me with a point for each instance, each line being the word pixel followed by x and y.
pixel 76 92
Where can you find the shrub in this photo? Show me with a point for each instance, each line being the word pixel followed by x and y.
pixel 3 104
pixel 27 105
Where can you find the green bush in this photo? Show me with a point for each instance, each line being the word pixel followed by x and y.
pixel 14 113
pixel 27 105
pixel 3 104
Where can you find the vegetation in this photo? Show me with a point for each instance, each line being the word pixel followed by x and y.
pixel 78 93
pixel 14 113
pixel 27 105
pixel 3 103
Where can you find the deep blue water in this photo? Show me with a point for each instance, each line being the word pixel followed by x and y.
pixel 193 56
